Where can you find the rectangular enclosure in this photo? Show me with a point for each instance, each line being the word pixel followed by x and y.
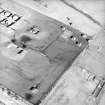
pixel 50 46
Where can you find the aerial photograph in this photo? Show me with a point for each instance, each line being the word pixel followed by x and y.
pixel 52 52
